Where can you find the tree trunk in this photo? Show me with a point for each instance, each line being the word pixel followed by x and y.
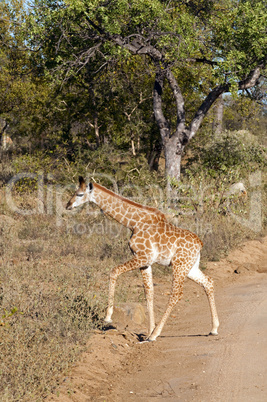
pixel 173 144
pixel 172 163
pixel 5 139
pixel 97 134
pixel 218 118
pixel 154 156
pixel 173 158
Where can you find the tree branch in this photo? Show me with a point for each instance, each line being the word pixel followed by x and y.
pixel 249 82
pixel 157 104
pixel 134 46
pixel 129 115
pixel 252 78
pixel 203 60
pixel 203 110
pixel 178 97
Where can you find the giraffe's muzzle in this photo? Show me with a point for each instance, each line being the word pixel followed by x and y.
pixel 69 205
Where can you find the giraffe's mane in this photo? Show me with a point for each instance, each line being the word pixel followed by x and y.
pixel 130 202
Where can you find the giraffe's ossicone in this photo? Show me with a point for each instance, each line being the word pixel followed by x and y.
pixel 153 240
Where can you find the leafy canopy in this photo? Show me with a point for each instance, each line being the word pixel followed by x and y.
pixel 230 36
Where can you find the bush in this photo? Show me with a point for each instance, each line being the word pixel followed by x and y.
pixel 230 156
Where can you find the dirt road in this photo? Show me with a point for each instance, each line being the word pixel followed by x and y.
pixel 185 364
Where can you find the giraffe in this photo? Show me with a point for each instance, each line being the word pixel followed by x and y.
pixel 153 240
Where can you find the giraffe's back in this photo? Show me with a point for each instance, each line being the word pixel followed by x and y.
pixel 162 241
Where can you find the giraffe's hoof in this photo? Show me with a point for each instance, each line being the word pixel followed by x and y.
pixel 214 333
pixel 145 341
pixel 108 320
pixel 151 339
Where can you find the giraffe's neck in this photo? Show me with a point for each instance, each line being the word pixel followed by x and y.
pixel 124 211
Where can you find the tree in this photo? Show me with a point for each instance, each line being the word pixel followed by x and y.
pixel 16 87
pixel 25 97
pixel 222 45
pixel 13 60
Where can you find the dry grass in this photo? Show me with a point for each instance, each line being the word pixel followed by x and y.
pixel 53 290
pixel 54 286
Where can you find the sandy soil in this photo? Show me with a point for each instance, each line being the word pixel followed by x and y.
pixel 185 364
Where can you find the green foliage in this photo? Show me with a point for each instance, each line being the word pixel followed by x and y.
pixel 14 89
pixel 77 90
pixel 240 34
pixel 232 33
pixel 246 113
pixel 35 163
pixel 232 155
pixel 103 84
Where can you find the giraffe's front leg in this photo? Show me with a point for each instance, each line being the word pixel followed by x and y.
pixel 111 293
pixel 138 261
pixel 149 291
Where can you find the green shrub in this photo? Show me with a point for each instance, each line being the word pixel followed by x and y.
pixel 231 155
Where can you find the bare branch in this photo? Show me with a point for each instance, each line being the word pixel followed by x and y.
pixel 129 115
pixel 204 108
pixel 157 104
pixel 178 97
pixel 203 60
pixel 135 47
pixel 249 82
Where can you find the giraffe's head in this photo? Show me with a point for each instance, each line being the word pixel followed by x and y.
pixel 83 194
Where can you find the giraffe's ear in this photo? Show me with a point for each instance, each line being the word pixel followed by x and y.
pixel 81 180
pixel 90 186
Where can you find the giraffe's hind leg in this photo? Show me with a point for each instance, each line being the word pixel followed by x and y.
pixel 197 275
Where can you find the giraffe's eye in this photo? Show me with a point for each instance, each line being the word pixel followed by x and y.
pixel 80 195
